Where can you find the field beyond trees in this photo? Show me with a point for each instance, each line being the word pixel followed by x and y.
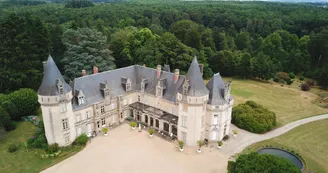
pixel 288 102
pixel 309 140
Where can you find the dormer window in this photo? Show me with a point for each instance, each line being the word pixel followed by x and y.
pixel 160 88
pixel 81 100
pixel 80 97
pixel 60 86
pixel 185 87
pixel 126 83
pixel 144 83
pixel 105 90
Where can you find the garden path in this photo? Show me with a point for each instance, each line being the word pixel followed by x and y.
pixel 244 138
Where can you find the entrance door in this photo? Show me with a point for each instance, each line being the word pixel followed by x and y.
pixel 151 121
pixel 214 134
pixel 166 127
pixel 174 130
pixel 146 119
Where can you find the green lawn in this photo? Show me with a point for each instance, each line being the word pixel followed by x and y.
pixel 25 161
pixel 288 102
pixel 309 140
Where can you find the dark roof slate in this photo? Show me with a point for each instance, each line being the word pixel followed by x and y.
pixel 48 86
pixel 216 86
pixel 197 85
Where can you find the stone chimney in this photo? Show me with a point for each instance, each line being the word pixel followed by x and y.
pixel 158 71
pixel 201 67
pixel 95 70
pixel 176 75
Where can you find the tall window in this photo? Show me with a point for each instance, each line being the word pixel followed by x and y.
pixel 62 105
pixel 87 114
pixel 159 91
pixel 102 109
pixel 98 124
pixel 138 98
pixel 215 119
pixel 103 122
pixel 157 123
pixel 65 123
pixel 184 121
pixel 61 90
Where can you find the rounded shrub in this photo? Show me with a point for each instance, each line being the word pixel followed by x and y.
pixel 282 75
pixel 12 148
pixel 301 78
pixel 305 87
pixel 253 117
pixel 291 75
pixel 82 139
pixel 289 82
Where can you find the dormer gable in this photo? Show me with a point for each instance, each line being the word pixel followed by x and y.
pixel 60 87
pixel 126 83
pixel 143 84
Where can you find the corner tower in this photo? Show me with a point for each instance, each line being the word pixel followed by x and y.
pixel 219 108
pixel 192 99
pixel 55 97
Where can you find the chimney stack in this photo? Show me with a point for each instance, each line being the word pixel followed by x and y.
pixel 95 70
pixel 176 75
pixel 84 73
pixel 158 71
pixel 201 67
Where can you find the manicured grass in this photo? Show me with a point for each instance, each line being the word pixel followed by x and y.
pixel 24 160
pixel 309 140
pixel 288 102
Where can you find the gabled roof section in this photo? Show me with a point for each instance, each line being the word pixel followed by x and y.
pixel 48 86
pixel 216 86
pixel 197 86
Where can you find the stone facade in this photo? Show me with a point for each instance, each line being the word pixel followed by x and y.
pixel 181 106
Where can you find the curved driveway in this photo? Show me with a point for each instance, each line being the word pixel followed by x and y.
pixel 244 138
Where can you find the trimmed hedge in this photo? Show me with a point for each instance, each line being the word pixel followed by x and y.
pixel 253 117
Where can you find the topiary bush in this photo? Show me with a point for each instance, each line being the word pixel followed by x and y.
pixel 305 87
pixel 82 139
pixel 12 148
pixel 253 117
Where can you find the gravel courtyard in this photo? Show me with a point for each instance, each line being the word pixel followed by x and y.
pixel 128 151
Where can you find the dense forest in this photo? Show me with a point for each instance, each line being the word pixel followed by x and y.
pixel 247 39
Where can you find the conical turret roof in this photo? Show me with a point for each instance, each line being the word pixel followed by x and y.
pixel 196 82
pixel 216 86
pixel 49 81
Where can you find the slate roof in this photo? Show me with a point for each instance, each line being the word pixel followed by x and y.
pixel 90 84
pixel 197 85
pixel 48 86
pixel 216 86
pixel 167 68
